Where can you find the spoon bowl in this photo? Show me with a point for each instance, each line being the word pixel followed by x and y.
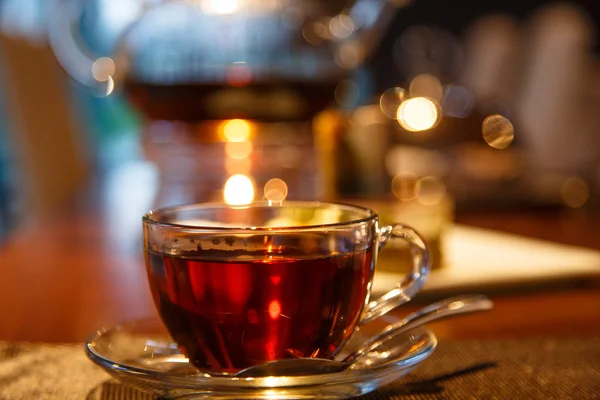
pixel 364 354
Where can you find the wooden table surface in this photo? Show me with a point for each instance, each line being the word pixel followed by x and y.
pixel 64 277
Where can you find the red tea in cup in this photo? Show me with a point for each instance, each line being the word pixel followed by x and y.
pixel 235 289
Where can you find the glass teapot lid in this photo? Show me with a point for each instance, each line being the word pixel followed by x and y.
pixel 229 41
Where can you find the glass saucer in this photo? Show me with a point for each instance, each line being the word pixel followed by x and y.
pixel 141 354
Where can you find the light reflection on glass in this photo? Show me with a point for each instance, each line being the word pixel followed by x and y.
pixel 575 192
pixel 498 131
pixel 238 191
pixel 110 86
pixel 276 190
pixel 236 130
pixel 271 381
pixel 274 309
pixel 390 101
pixel 425 85
pixel 418 114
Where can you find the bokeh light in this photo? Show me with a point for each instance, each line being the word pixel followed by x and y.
pixel 390 101
pixel 425 85
pixel 575 192
pixel 103 69
pixel 498 131
pixel 274 309
pixel 341 26
pixel 238 150
pixel 349 55
pixel 418 114
pixel 404 186
pixel 239 190
pixel 321 30
pixel 276 190
pixel 236 130
pixel 222 7
pixel 430 190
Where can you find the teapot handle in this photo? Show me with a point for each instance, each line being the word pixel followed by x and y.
pixel 69 47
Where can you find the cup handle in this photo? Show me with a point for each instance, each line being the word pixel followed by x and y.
pixel 412 283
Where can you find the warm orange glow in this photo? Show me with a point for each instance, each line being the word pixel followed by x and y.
pixel 498 132
pixel 274 309
pixel 418 114
pixel 239 190
pixel 234 166
pixel 237 130
pixel 238 150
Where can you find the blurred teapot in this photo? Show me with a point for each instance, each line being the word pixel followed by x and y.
pixel 224 87
pixel 218 59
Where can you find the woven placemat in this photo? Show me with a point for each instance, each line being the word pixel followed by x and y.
pixel 524 369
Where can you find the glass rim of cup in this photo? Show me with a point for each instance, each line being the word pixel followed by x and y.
pixel 368 215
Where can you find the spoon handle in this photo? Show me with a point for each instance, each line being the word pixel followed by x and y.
pixel 452 306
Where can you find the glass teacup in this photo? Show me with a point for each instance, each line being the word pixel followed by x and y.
pixel 240 286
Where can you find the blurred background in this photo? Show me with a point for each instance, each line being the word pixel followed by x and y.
pixel 421 109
